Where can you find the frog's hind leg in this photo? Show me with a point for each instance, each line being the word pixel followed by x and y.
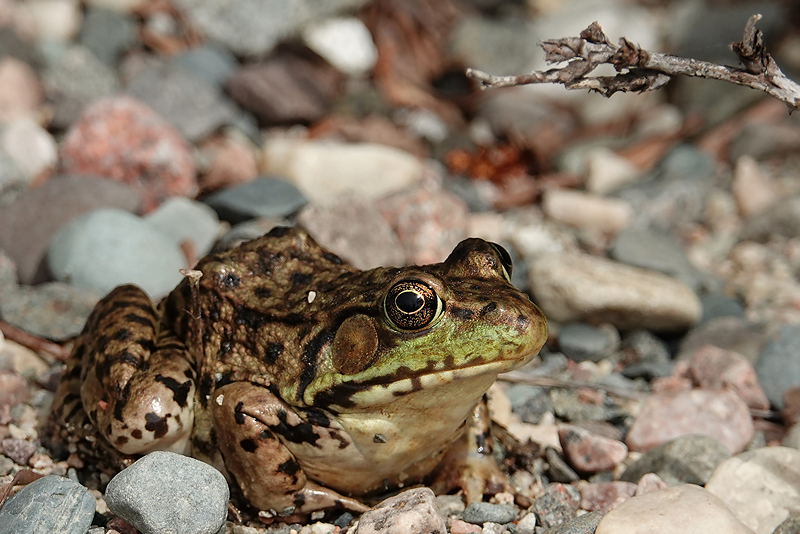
pixel 267 472
pixel 136 386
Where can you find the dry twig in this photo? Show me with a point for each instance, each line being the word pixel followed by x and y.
pixel 640 70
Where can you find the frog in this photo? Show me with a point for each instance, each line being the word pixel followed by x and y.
pixel 309 383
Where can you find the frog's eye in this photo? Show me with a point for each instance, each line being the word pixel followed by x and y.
pixel 505 260
pixel 411 305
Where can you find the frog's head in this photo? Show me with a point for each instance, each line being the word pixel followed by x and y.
pixel 426 327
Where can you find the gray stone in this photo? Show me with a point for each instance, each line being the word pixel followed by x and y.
pixel 210 63
pixel 182 219
pixel 581 341
pixel 645 347
pixel 195 106
pixel 54 310
pixel 353 228
pixel 254 27
pixel 568 405
pixel 502 46
pixel 559 470
pixel 688 459
pixel 47 505
pixel 168 492
pixel 778 366
pixel 246 231
pixel 479 513
pixel 557 506
pixel 729 333
pixel 413 510
pixel 107 248
pixel 790 526
pixel 530 403
pixel 648 370
pixel 74 78
pixel 657 251
pixel 25 233
pixel 584 524
pixel 765 140
pixel 263 197
pixel 107 33
pixel 717 305
pixel 12 180
pixel 12 45
pixel 675 192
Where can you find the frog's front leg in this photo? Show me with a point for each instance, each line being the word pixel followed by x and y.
pixel 250 423
pixel 135 384
pixel 469 464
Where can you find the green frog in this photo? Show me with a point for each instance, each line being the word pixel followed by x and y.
pixel 308 382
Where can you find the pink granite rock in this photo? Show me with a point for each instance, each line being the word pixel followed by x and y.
pixel 714 368
pixel 588 452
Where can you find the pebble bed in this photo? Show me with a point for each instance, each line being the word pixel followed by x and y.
pixel 659 233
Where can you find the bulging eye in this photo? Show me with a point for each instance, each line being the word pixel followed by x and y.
pixel 411 305
pixel 505 260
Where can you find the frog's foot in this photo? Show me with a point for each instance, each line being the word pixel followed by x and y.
pixel 250 423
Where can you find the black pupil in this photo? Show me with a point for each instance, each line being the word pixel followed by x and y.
pixel 409 301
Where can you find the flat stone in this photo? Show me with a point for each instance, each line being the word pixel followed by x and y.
pixel 790 526
pixel 168 492
pixel 209 62
pixel 778 366
pixel 107 248
pixel 54 310
pixel 684 509
pixel 484 512
pixel 580 287
pixel 49 504
pixel 667 415
pixel 51 20
pixel 32 148
pixel 263 197
pixel 761 486
pixel 145 151
pixel 429 222
pixel 345 42
pixel 730 333
pixel 413 510
pixel 687 459
pixel 25 234
pixel 753 190
pixel 588 452
pixel 557 505
pixel 323 169
pixel 353 228
pixel 718 305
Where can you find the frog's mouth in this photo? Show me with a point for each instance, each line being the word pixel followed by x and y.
pixel 405 381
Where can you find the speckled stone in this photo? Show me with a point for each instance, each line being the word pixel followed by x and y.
pixel 688 459
pixel 47 505
pixel 54 310
pixel 124 140
pixel 413 510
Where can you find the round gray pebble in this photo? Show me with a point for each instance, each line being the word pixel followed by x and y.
pixel 167 493
pixel 107 248
pixel 479 513
pixel 581 342
pixel 778 366
pixel 50 504
pixel 182 219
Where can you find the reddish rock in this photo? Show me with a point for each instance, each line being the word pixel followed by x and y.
pixel 719 414
pixel 715 368
pixel 22 92
pixel 18 450
pixel 457 526
pixel 605 496
pixel 13 389
pixel 791 405
pixel 125 140
pixel 588 452
pixel 232 163
pixel 649 483
pixel 430 222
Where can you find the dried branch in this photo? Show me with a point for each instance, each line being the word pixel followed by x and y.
pixel 640 70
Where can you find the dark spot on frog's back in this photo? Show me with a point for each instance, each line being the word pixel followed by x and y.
pixel 136 434
pixel 155 424
pixel 489 308
pixel 230 280
pixel 123 334
pixel 248 317
pixel 272 352
pixel 333 258
pixel 249 445
pixel 461 313
pixel 300 279
pixel 279 231
pixel 262 292
pixel 138 319
pixel 522 322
